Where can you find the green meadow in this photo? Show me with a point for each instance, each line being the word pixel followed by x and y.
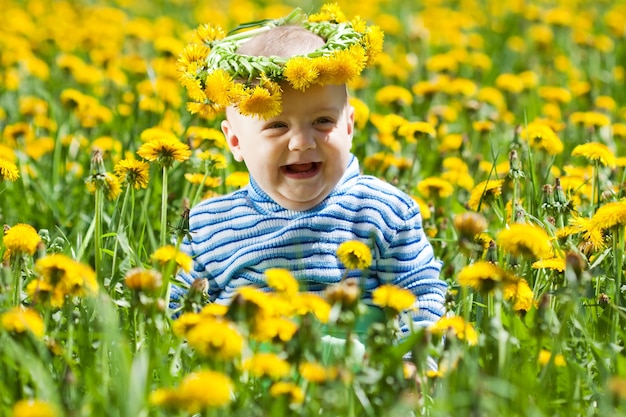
pixel 504 119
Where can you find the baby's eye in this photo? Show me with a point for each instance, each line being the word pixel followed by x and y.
pixel 325 121
pixel 277 125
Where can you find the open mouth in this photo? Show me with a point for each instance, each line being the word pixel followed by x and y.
pixel 305 170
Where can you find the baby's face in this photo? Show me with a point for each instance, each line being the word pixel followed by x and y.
pixel 299 156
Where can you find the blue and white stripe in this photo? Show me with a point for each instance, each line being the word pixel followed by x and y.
pixel 236 237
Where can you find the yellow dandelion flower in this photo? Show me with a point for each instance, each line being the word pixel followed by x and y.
pixel 542 137
pixel 394 94
pixel 201 179
pixel 596 119
pixel 460 87
pixel 526 240
pixel 354 255
pixel 456 326
pixel 555 264
pixel 287 389
pixel 8 170
pixel 305 303
pixel 482 276
pixel 21 319
pixel 186 322
pixel 595 152
pixel 260 102
pixel 469 224
pixel 133 173
pixel 493 96
pixel 510 82
pixel 605 102
pixel 197 392
pixel 361 112
pixel 450 142
pixel 207 111
pixel 215 160
pixel 413 130
pixel 485 192
pixel 282 281
pixel 145 280
pixel 393 297
pixel 65 277
pixel 442 63
pixel 217 87
pixel 164 150
pixel 237 179
pixel 426 88
pixel 584 226
pixel 329 12
pixel 520 294
pixel 261 301
pixel 608 216
pixel 555 94
pixel 167 253
pixel 545 356
pixel 267 364
pixel 206 33
pixel 21 239
pixel 300 72
pixel 205 137
pixel 7 153
pixel 340 67
pixel 434 187
pixel 215 337
pixel 483 126
pixel 214 310
pixel 111 185
pixel 277 329
pixel 316 372
pixel 619 130
pixel 34 408
pixel 374 40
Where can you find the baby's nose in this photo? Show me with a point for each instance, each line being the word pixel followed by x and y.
pixel 301 141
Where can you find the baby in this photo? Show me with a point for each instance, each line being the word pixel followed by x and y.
pixel 306 194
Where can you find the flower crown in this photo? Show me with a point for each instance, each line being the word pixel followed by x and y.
pixel 216 76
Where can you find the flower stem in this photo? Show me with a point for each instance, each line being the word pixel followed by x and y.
pixel 120 228
pixel 16 267
pixel 99 194
pixel 618 253
pixel 163 240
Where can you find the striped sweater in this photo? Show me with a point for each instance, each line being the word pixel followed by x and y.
pixel 236 237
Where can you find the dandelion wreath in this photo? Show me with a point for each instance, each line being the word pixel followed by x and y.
pixel 216 76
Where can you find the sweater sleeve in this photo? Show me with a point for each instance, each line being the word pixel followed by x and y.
pixel 408 262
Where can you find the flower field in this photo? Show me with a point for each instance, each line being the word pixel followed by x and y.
pixel 504 119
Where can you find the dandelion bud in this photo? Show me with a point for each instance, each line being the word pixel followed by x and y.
pixel 198 288
pixel 346 292
pixel 608 195
pixel 575 264
pixel 603 300
pixel 97 163
pixel 182 228
pixel 561 202
pixel 547 202
pixel 492 252
pixel 138 279
pixel 469 224
pixel 515 170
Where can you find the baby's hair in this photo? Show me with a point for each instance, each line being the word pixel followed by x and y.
pixel 282 41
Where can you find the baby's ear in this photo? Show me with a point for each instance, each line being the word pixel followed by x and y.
pixel 232 140
pixel 350 121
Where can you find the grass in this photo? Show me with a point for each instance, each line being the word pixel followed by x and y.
pixel 523 112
